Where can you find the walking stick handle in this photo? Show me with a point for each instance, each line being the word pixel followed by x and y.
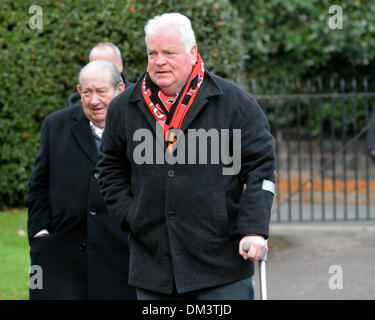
pixel 246 246
pixel 262 270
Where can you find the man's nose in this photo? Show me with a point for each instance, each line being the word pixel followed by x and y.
pixel 95 99
pixel 160 60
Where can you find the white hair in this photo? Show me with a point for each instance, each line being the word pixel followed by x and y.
pixel 99 66
pixel 177 20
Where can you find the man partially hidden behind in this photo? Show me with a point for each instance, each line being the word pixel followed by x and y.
pixel 187 219
pixel 105 51
pixel 82 251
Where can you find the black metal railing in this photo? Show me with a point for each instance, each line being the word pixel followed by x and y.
pixel 323 171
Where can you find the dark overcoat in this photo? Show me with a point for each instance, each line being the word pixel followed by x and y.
pixel 86 255
pixel 186 220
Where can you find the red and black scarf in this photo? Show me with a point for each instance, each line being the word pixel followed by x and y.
pixel 171 116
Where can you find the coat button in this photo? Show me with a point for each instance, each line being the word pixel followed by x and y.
pixel 96 175
pixel 171 214
pixel 93 213
pixel 170 173
pixel 82 246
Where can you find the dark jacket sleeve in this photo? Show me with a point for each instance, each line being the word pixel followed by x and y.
pixel 114 167
pixel 257 170
pixel 37 199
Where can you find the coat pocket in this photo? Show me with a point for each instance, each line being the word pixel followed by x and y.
pixel 130 217
pixel 41 243
pixel 211 213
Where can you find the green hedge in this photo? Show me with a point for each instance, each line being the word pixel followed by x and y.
pixel 292 39
pixel 39 67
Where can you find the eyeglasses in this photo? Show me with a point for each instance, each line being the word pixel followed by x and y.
pixel 88 93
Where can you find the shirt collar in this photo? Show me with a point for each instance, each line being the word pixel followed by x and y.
pixel 97 130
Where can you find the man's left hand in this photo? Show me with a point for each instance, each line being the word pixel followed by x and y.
pixel 258 247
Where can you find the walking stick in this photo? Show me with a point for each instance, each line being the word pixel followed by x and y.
pixel 262 271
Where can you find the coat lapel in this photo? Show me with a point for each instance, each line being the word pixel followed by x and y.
pixel 81 131
pixel 209 88
pixel 136 97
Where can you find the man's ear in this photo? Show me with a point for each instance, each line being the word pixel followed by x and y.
pixel 193 53
pixel 79 89
pixel 120 87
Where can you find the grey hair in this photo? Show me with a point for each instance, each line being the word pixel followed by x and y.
pixel 177 20
pixel 100 65
pixel 114 48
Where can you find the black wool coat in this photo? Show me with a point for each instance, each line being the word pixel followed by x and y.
pixel 186 220
pixel 86 255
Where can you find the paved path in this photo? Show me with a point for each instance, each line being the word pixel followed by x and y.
pixel 301 256
pixel 308 212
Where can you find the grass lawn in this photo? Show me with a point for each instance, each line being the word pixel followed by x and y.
pixel 14 255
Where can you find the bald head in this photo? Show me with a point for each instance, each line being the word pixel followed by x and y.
pixel 112 73
pixel 107 51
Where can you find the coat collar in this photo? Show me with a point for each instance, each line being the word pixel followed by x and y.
pixel 81 132
pixel 209 88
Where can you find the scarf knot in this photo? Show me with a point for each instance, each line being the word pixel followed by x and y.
pixel 171 115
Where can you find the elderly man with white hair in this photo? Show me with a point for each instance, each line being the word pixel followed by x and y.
pixel 189 202
pixel 81 250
